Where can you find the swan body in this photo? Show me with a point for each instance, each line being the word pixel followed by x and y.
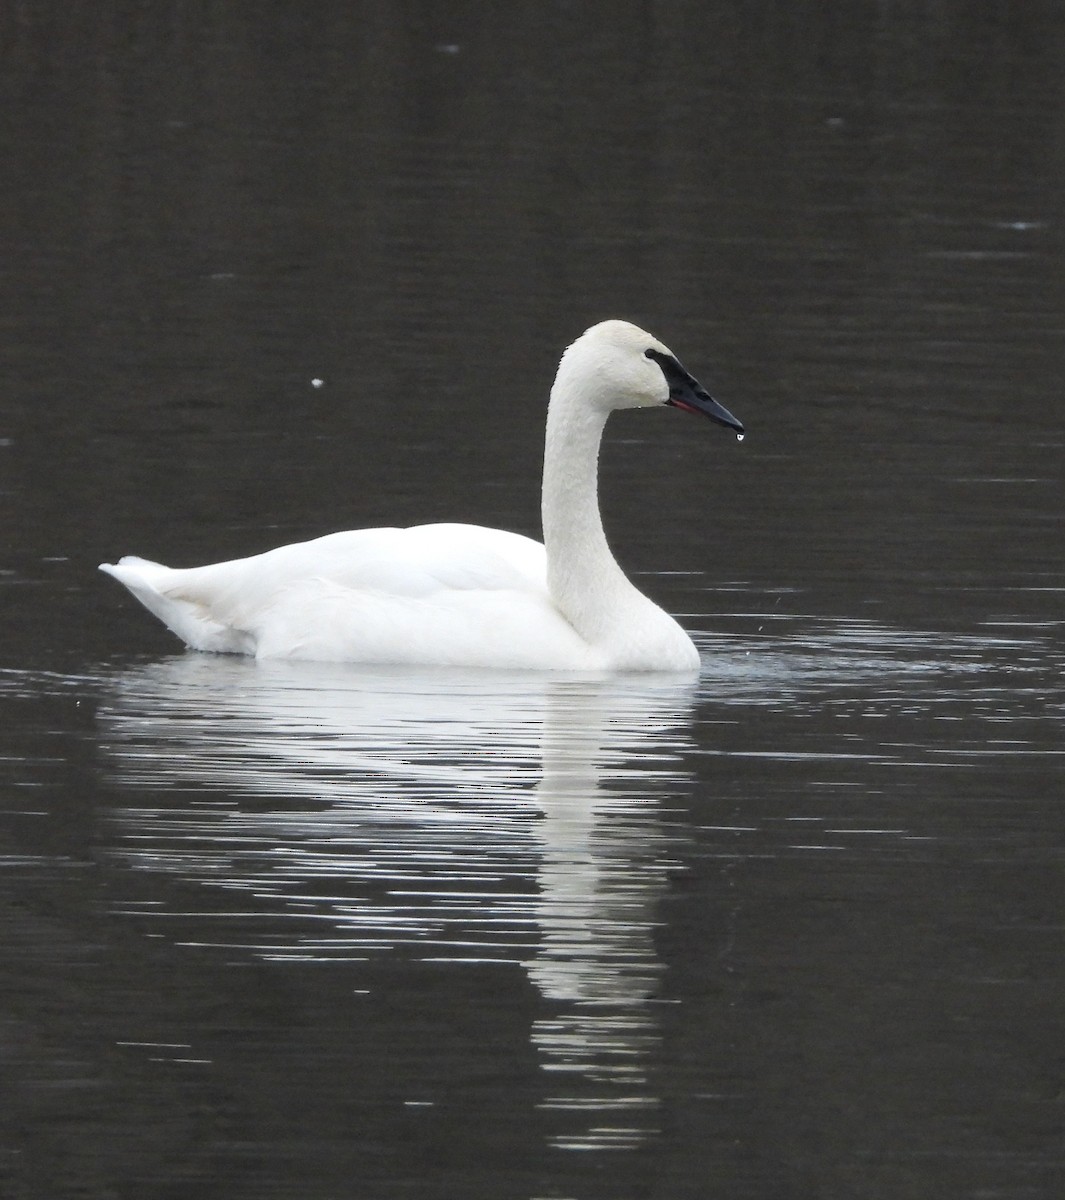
pixel 461 595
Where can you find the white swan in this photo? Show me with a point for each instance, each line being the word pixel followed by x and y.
pixel 461 595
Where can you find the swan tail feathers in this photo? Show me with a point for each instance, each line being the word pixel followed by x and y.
pixel 161 590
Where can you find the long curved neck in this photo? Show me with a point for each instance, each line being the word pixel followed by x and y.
pixel 584 579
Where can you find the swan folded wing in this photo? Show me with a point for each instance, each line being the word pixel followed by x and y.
pixel 444 593
pixel 421 561
pixel 435 594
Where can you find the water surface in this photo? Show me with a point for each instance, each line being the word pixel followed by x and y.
pixel 792 929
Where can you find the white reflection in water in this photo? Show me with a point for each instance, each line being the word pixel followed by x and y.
pixel 463 816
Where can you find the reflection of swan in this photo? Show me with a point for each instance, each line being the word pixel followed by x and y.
pixel 466 816
pixel 599 856
pixel 461 594
pixel 602 872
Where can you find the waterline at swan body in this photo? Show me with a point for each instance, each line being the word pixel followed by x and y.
pixel 461 595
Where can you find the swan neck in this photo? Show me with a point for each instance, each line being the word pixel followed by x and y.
pixel 582 574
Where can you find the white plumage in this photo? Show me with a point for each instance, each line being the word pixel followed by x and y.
pixel 460 595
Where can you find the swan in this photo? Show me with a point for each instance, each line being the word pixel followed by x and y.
pixel 461 595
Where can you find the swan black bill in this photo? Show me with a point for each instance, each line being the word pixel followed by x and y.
pixel 702 402
pixel 686 392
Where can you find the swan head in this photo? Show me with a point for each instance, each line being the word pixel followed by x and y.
pixel 618 365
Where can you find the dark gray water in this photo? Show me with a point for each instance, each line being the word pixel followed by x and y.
pixel 794 930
